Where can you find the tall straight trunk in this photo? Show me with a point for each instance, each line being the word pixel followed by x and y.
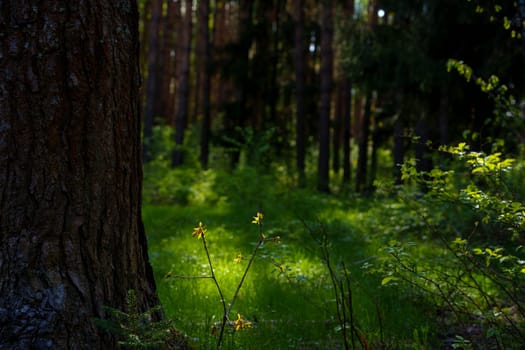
pixel 242 81
pixel 337 130
pixel 399 149
pixel 152 84
pixel 299 60
pixel 362 160
pixel 521 8
pixel 347 108
pixel 205 55
pixel 347 131
pixel 421 150
pixel 323 183
pixel 276 52
pixel 168 61
pixel 373 154
pixel 443 117
pixel 145 14
pixel 181 116
pixel 71 234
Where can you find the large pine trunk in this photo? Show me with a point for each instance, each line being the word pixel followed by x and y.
pixel 71 234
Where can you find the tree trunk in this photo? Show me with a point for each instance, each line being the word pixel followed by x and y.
pixel 71 233
pixel 421 150
pixel 347 108
pixel 323 183
pixel 399 149
pixel 299 58
pixel 443 117
pixel 167 70
pixel 347 127
pixel 521 8
pixel 337 128
pixel 181 117
pixel 241 78
pixel 205 56
pixel 362 160
pixel 373 154
pixel 152 83
pixel 145 13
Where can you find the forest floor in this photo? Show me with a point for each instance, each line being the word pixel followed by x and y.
pixel 289 296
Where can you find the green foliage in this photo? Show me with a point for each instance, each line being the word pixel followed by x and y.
pixel 138 330
pixel 477 274
pixel 256 146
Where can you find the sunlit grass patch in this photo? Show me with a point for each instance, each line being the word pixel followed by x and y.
pixel 287 296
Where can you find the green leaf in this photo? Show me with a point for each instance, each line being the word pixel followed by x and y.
pixel 389 279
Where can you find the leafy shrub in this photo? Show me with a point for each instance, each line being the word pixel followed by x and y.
pixel 477 274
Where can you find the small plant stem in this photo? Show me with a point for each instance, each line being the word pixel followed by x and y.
pixel 234 298
pixel 254 254
pixel 223 302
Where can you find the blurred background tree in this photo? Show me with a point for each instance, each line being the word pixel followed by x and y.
pixel 291 84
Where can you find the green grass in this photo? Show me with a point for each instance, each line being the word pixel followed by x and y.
pixel 291 310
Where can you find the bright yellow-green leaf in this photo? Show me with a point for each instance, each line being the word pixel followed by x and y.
pixel 506 23
pixel 459 241
pixel 477 251
pixel 388 279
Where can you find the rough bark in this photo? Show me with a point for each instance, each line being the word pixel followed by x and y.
pixel 71 235
pixel 326 93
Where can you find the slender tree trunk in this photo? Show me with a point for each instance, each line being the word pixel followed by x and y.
pixel 337 128
pixel 521 5
pixel 242 81
pixel 373 155
pixel 347 108
pixel 145 14
pixel 362 160
pixel 399 149
pixel 299 59
pixel 347 128
pixel 168 62
pixel 181 117
pixel 421 151
pixel 323 183
pixel 71 234
pixel 152 84
pixel 443 118
pixel 205 54
pixel 276 52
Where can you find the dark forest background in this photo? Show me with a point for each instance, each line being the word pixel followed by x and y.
pixel 337 92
